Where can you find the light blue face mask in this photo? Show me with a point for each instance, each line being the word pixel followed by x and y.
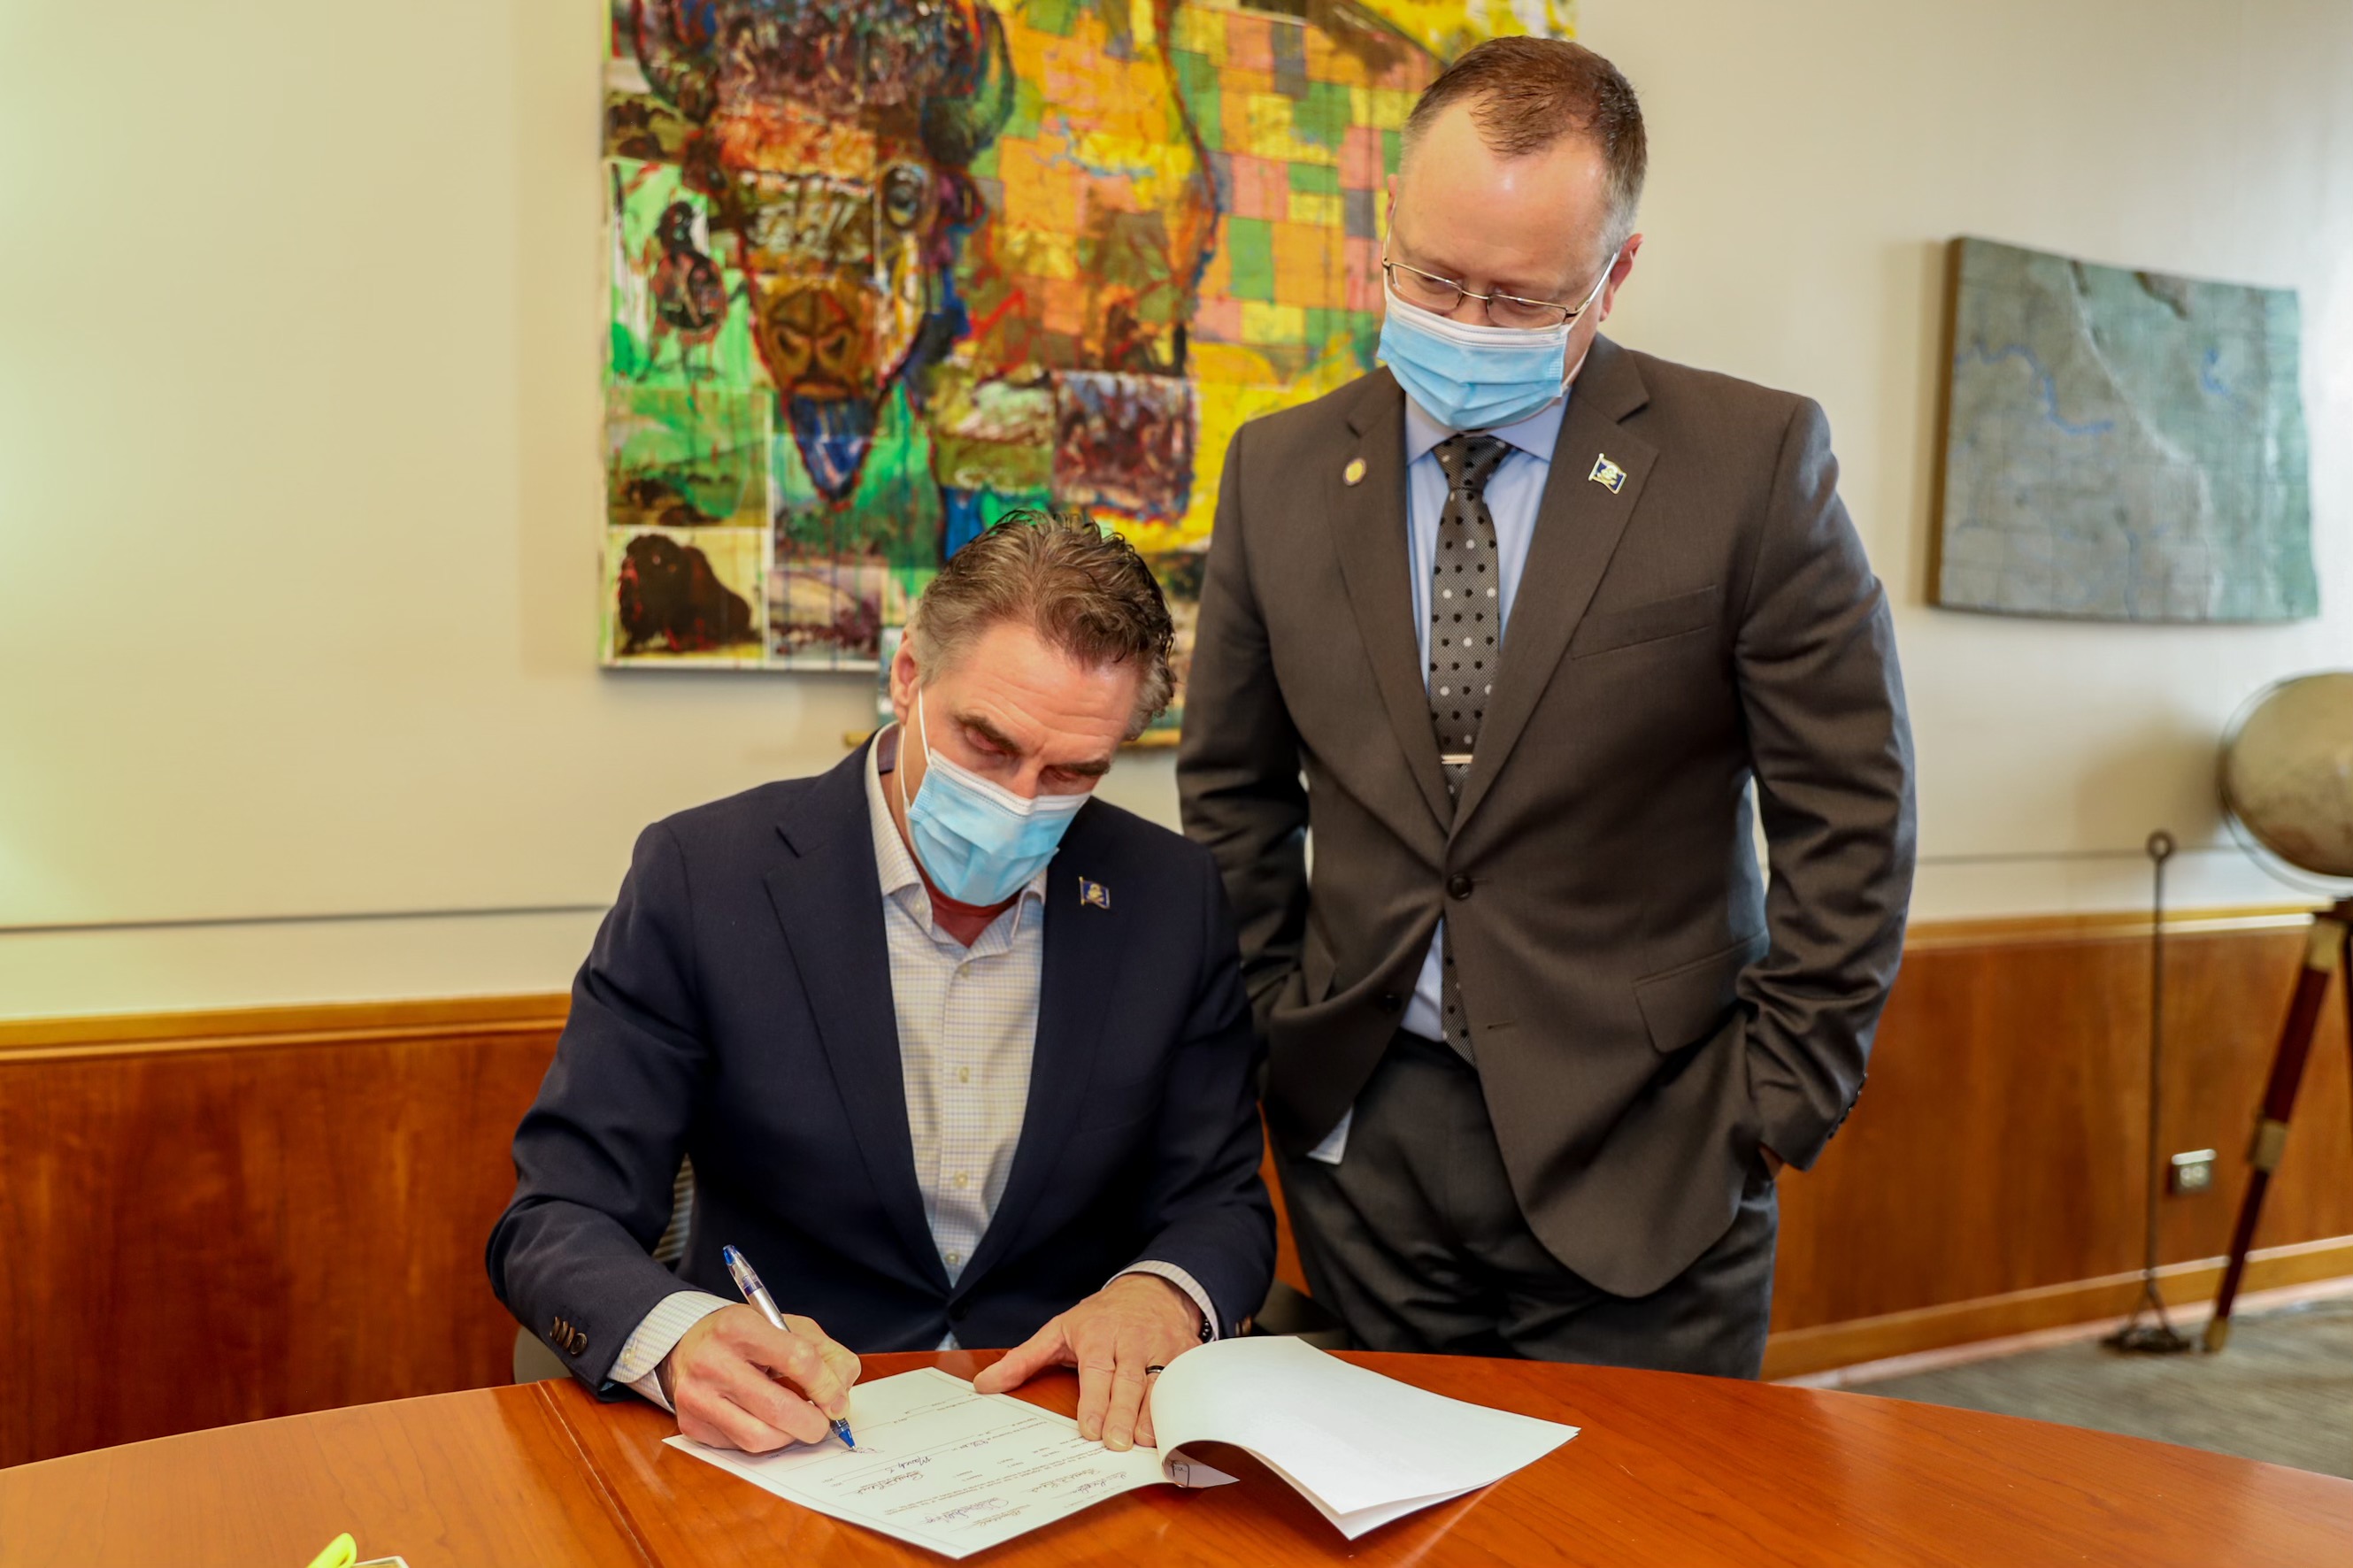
pixel 979 842
pixel 1477 377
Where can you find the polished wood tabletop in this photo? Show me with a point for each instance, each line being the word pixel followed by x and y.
pixel 1668 1470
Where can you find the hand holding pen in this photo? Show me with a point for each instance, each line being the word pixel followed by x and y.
pixel 740 1268
pixel 751 1379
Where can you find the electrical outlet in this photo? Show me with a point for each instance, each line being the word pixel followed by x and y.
pixel 2190 1172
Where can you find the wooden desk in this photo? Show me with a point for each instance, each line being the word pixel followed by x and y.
pixel 1669 1470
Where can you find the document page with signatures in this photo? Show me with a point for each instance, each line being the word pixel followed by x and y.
pixel 943 1467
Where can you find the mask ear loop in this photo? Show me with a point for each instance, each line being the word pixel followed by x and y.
pixel 922 738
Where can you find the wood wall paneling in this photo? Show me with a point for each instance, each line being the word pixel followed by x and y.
pixel 274 1216
pixel 210 1218
pixel 1999 1146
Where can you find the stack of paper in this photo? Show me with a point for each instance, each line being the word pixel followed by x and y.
pixel 944 1467
pixel 1364 1448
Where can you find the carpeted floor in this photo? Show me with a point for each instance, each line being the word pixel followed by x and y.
pixel 2283 1392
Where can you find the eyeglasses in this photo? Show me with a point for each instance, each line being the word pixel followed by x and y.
pixel 1443 297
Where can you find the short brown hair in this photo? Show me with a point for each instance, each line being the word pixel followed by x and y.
pixel 1527 93
pixel 1080 587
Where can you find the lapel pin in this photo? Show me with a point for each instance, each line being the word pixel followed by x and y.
pixel 1354 474
pixel 1095 893
pixel 1607 474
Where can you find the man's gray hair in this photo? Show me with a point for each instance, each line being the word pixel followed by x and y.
pixel 1527 93
pixel 1082 589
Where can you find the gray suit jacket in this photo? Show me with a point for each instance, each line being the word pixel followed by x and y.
pixel 1645 1011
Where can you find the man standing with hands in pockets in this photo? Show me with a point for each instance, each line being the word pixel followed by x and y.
pixel 1519 625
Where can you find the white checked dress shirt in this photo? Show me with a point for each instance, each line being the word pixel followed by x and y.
pixel 967 1026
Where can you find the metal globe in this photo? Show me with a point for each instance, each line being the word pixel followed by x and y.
pixel 2287 771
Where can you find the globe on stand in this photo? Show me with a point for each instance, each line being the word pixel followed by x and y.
pixel 2287 782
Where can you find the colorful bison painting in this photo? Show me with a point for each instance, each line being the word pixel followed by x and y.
pixel 883 270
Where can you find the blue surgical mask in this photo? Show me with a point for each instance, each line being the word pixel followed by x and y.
pixel 979 842
pixel 1479 378
pixel 1473 377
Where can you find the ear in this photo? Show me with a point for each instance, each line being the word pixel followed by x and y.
pixel 905 676
pixel 1618 273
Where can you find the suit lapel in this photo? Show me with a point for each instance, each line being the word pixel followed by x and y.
pixel 1080 969
pixel 828 898
pixel 1578 524
pixel 1368 533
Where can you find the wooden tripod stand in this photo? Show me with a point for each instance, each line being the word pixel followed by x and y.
pixel 2326 952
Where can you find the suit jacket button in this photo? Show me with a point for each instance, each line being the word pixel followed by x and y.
pixel 579 1343
pixel 1459 885
pixel 1389 1002
pixel 959 1310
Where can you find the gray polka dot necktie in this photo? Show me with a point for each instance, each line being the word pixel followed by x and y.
pixel 1466 645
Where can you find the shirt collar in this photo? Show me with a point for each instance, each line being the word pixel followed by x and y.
pixel 1537 435
pixel 893 860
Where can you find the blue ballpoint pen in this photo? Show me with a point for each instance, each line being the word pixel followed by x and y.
pixel 740 1268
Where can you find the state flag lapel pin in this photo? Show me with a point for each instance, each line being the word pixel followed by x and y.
pixel 1607 474
pixel 1095 893
pixel 1354 474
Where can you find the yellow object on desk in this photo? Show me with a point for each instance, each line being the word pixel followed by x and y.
pixel 342 1552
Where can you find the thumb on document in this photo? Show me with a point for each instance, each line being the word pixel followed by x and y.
pixel 1117 1338
pixel 1025 1360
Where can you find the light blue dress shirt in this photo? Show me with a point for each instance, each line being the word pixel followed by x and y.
pixel 1514 492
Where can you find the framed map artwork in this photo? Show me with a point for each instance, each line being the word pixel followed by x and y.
pixel 883 270
pixel 2121 446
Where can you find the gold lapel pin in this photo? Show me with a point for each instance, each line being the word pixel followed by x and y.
pixel 1608 475
pixel 1094 895
pixel 1354 474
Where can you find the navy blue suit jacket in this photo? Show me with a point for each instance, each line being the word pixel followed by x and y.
pixel 737 1007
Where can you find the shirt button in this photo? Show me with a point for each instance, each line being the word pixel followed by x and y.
pixel 963 1075
pixel 963 1180
pixel 956 1260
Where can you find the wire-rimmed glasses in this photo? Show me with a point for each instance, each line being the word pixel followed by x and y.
pixel 1443 297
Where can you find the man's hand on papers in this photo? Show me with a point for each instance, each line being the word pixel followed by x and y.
pixel 727 1376
pixel 1137 1320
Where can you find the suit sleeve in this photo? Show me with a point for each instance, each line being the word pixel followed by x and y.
pixel 1206 1204
pixel 1237 765
pixel 1831 747
pixel 596 1154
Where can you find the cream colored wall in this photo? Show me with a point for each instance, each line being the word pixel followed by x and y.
pixel 298 422
pixel 1811 160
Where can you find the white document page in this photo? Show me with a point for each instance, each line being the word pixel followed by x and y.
pixel 943 1467
pixel 1364 1448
